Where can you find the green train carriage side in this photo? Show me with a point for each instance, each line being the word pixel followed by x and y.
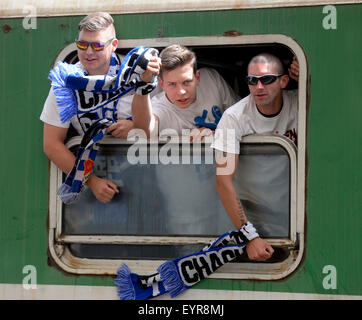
pixel 49 251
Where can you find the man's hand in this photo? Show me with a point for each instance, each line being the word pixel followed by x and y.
pixel 294 69
pixel 259 249
pixel 153 68
pixel 103 189
pixel 120 128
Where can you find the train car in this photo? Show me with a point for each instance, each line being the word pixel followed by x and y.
pixel 168 206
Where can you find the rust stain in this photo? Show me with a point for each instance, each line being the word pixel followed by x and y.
pixel 232 33
pixel 6 28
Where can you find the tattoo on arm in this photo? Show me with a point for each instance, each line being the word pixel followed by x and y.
pixel 241 212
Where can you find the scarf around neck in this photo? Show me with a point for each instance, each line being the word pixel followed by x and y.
pixel 79 94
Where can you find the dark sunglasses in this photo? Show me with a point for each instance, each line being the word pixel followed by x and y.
pixel 96 46
pixel 265 79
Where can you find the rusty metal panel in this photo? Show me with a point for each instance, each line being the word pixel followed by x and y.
pixel 49 8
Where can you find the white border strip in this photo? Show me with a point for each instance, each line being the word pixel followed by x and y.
pixel 61 292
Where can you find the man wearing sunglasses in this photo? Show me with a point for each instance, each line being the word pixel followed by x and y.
pixel 268 109
pixel 96 44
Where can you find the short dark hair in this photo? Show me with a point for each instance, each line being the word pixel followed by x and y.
pixel 176 56
pixel 268 58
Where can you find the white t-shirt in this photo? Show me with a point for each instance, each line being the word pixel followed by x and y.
pixel 243 118
pixel 211 91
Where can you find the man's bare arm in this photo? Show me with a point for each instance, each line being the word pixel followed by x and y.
pixel 141 105
pixel 227 193
pixel 257 248
pixel 64 159
pixel 54 148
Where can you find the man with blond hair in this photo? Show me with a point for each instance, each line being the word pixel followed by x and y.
pixel 96 46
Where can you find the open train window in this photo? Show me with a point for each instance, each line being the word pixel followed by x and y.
pixel 157 216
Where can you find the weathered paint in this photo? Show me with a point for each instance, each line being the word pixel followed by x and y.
pixel 44 8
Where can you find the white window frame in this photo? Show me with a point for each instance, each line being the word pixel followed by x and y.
pixel 57 243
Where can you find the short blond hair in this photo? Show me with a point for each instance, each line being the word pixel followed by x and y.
pixel 96 21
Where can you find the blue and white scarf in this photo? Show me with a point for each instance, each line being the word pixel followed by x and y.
pixel 176 276
pixel 77 93
pixel 70 190
pixel 94 99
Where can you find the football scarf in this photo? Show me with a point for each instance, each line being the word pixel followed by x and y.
pixel 70 190
pixel 176 276
pixel 78 94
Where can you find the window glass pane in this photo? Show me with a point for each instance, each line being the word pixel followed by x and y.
pixel 262 181
pixel 179 199
pixel 155 199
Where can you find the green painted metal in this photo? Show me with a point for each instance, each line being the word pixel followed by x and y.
pixel 334 171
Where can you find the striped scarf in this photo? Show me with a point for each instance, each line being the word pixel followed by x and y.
pixel 78 94
pixel 176 276
pixel 70 190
